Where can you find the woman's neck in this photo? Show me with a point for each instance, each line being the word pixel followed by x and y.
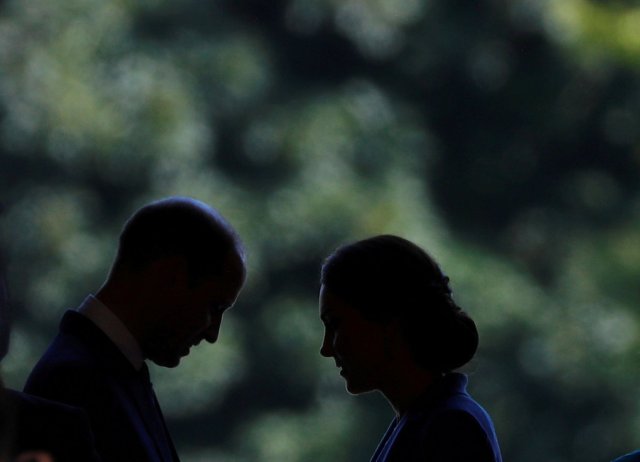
pixel 406 387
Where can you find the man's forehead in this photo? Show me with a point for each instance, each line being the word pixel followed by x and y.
pixel 234 261
pixel 229 282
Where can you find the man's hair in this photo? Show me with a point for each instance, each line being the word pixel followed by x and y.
pixel 178 226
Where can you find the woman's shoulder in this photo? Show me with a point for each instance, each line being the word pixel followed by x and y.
pixel 452 419
pixel 457 434
pixel 631 457
pixel 450 394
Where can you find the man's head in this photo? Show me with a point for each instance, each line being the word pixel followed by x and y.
pixel 178 226
pixel 179 266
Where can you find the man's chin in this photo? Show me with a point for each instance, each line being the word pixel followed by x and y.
pixel 166 361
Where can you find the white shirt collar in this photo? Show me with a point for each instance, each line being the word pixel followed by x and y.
pixel 113 327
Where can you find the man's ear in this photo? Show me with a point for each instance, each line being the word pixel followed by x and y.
pixel 169 272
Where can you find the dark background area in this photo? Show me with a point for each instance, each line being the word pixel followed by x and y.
pixel 503 136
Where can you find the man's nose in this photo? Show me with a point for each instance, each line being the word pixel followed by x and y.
pixel 212 332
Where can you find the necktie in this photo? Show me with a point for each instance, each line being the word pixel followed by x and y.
pixel 154 418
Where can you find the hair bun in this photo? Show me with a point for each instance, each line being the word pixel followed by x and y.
pixel 446 342
pixel 463 342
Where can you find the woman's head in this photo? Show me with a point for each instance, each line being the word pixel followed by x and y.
pixel 388 279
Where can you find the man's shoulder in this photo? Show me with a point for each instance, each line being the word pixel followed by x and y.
pixel 29 407
pixel 66 354
pixel 51 426
pixel 78 344
pixel 66 380
pixel 71 365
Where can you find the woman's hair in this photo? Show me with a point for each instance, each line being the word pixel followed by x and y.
pixel 389 278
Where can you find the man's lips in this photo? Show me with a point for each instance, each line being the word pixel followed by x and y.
pixel 187 349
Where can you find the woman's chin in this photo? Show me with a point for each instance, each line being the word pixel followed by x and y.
pixel 356 388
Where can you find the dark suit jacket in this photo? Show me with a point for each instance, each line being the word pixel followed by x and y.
pixel 43 425
pixel 82 367
pixel 446 425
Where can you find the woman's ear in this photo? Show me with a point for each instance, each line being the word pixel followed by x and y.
pixel 393 341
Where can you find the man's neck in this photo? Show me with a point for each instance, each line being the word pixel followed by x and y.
pixel 108 321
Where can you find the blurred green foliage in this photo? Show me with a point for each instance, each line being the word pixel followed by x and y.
pixel 502 135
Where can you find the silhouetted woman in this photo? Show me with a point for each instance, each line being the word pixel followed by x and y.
pixel 391 325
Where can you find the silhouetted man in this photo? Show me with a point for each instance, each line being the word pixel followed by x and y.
pixel 179 266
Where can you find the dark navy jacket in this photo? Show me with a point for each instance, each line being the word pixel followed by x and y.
pixel 446 425
pixel 83 368
pixel 42 425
